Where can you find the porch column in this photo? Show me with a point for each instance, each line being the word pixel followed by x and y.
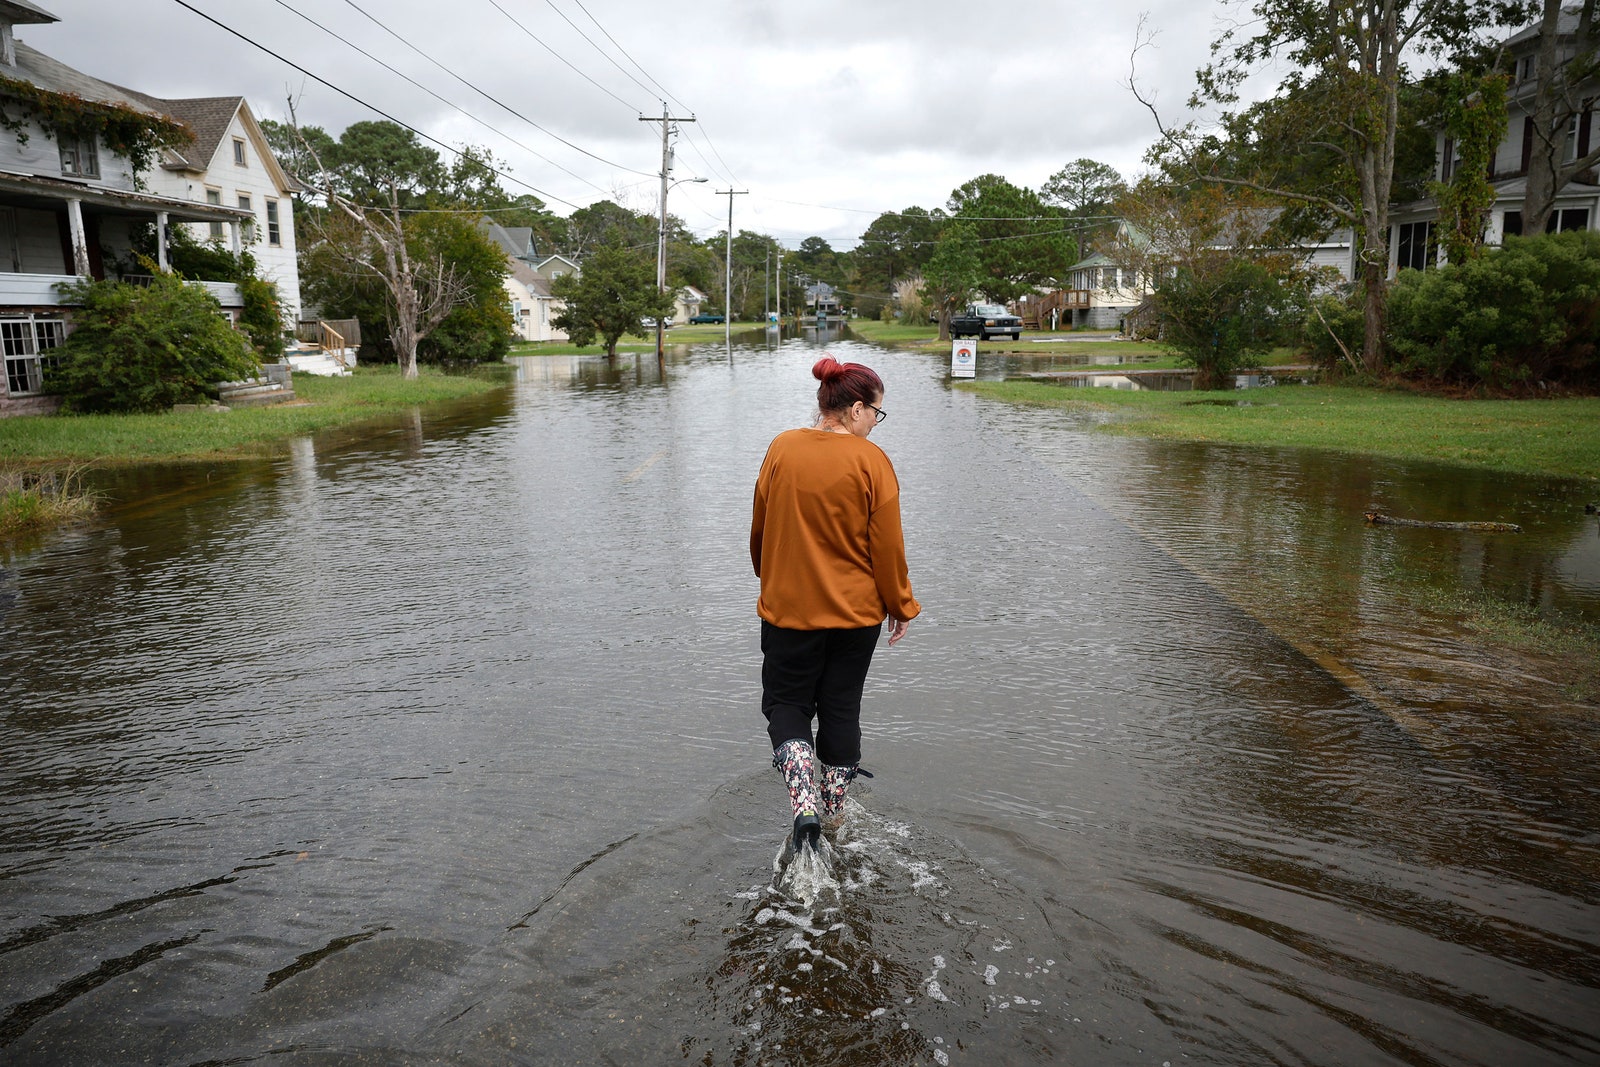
pixel 161 241
pixel 80 241
pixel 233 232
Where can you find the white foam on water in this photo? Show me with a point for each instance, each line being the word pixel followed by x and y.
pixel 989 974
pixel 941 1057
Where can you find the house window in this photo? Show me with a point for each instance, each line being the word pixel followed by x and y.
pixel 1511 226
pixel 1415 247
pixel 1567 218
pixel 1569 150
pixel 78 156
pixel 245 204
pixel 25 341
pixel 274 230
pixel 1527 67
pixel 214 196
pixel 238 151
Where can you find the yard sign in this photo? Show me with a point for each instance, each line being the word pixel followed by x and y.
pixel 963 359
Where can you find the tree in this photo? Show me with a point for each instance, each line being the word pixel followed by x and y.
pixel 952 273
pixel 144 348
pixel 1566 64
pixel 384 172
pixel 1222 293
pixel 611 296
pixel 1083 188
pixel 895 247
pixel 1021 242
pixel 1344 99
pixel 289 148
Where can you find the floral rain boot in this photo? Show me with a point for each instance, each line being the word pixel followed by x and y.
pixel 794 759
pixel 835 781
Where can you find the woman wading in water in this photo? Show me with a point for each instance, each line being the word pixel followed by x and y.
pixel 826 542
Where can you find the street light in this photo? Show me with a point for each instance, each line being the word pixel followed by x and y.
pixel 661 255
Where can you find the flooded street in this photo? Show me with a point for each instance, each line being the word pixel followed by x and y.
pixel 441 744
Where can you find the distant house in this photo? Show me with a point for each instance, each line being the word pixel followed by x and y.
pixel 686 303
pixel 1099 293
pixel 527 284
pixel 70 205
pixel 231 163
pixel 822 302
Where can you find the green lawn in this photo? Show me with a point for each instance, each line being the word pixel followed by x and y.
pixel 1555 437
pixel 321 402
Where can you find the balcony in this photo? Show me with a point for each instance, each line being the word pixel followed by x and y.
pixel 39 290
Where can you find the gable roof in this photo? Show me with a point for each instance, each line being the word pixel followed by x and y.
pixel 514 241
pixel 547 260
pixel 210 117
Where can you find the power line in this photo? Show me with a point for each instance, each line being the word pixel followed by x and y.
pixel 370 107
pixel 630 58
pixel 561 57
pixel 349 44
pixel 492 99
pixel 625 73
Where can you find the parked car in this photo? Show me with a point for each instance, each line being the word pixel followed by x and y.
pixel 985 321
pixel 650 324
pixel 704 318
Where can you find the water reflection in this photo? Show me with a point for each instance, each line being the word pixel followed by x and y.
pixel 436 741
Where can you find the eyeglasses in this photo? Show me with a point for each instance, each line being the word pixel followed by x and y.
pixel 882 414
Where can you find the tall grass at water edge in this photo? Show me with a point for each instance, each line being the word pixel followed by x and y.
pixel 34 500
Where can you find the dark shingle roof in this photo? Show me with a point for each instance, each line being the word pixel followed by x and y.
pixel 207 116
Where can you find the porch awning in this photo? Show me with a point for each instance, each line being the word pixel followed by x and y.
pixel 34 191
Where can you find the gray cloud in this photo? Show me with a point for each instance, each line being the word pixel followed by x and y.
pixel 828 112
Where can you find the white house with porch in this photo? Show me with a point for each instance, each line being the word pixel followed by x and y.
pixel 68 207
pixel 230 163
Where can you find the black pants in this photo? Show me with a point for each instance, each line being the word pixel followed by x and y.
pixel 819 674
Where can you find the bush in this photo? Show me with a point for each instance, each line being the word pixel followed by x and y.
pixel 1334 329
pixel 261 317
pixel 1528 314
pixel 144 349
pixel 1218 311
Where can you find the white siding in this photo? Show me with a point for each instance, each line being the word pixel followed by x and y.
pixel 40 155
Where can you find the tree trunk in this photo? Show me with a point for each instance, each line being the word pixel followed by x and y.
pixel 1547 130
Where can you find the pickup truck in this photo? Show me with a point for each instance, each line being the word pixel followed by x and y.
pixel 697 320
pixel 985 321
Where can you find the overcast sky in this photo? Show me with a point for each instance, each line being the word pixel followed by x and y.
pixel 827 111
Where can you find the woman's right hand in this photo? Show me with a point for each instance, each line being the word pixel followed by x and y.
pixel 897 629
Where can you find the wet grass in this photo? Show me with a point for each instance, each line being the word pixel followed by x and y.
pixel 321 403
pixel 1559 437
pixel 37 500
pixel 1569 646
pixel 1143 355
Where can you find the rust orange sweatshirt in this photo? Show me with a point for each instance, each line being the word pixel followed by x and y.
pixel 825 534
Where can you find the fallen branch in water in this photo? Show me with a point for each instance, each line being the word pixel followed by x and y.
pixel 1377 518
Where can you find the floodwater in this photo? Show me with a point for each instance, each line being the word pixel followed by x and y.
pixel 439 743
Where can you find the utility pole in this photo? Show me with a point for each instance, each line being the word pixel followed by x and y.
pixel 778 289
pixel 727 263
pixel 666 120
